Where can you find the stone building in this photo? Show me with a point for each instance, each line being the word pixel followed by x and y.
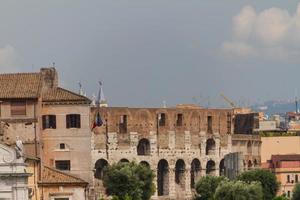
pixel 180 144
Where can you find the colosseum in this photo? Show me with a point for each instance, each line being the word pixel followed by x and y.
pixel 180 144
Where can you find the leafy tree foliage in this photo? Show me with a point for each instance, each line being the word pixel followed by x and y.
pixel 239 190
pixel 281 198
pixel 296 192
pixel 206 187
pixel 266 178
pixel 129 181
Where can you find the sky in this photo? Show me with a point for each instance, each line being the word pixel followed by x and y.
pixel 149 51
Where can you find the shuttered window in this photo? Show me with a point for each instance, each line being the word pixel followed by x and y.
pixel 49 121
pixel 18 108
pixel 73 121
pixel 63 164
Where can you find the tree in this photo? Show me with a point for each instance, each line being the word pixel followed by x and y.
pixel 281 198
pixel 129 181
pixel 266 178
pixel 207 186
pixel 240 190
pixel 296 192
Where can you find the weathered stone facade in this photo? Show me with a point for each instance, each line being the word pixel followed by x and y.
pixel 180 144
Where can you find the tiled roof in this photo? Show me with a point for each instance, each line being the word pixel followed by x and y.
pixel 285 157
pixel 51 176
pixel 59 94
pixel 20 85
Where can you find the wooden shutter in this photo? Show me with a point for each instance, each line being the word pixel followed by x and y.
pixel 18 108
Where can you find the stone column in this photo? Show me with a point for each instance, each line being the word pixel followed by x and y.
pixel 172 184
pixel 172 139
pixel 203 143
pixel 187 140
pixel 188 191
pixel 217 140
pixel 155 196
pixel 153 142
pixel 133 142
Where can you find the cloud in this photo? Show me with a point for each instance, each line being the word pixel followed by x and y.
pixel 272 34
pixel 9 59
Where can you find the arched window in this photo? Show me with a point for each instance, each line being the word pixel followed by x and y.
pixel 211 167
pixel 162 178
pixel 222 168
pixel 99 167
pixel 195 171
pixel 249 148
pixel 180 173
pixel 145 163
pixel 124 160
pixel 210 147
pixel 250 164
pixel 143 147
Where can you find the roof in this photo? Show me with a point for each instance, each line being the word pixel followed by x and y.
pixel 20 85
pixel 59 94
pixel 51 176
pixel 285 157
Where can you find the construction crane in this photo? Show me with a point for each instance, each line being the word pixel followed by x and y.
pixel 232 104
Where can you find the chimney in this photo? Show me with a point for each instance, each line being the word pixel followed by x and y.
pixel 49 78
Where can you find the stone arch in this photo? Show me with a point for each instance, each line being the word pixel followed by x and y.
pixel 143 147
pixel 210 147
pixel 180 173
pixel 211 167
pixel 145 163
pixel 124 160
pixel 222 169
pixel 162 178
pixel 249 164
pixel 195 171
pixel 249 148
pixel 255 163
pixel 99 167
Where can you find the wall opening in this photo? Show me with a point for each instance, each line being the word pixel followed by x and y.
pixel 124 160
pixel 163 178
pixel 249 148
pixel 222 168
pixel 161 119
pixel 210 147
pixel 250 164
pixel 143 147
pixel 123 124
pixel 209 124
pixel 180 173
pixel 195 171
pixel 145 163
pixel 179 120
pixel 99 168
pixel 211 167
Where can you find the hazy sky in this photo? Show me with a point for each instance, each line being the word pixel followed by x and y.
pixel 147 51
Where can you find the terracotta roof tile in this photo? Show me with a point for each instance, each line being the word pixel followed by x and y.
pixel 54 176
pixel 285 157
pixel 59 94
pixel 20 85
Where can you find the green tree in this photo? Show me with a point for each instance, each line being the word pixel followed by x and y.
pixel 266 178
pixel 206 187
pixel 129 181
pixel 239 190
pixel 296 192
pixel 281 198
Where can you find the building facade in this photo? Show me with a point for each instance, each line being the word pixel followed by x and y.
pixel 180 144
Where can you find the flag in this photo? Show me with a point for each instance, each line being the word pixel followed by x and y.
pixel 98 121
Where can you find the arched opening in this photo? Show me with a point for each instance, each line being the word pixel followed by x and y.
pixel 249 148
pixel 145 163
pixel 99 168
pixel 255 163
pixel 180 173
pixel 143 147
pixel 162 178
pixel 211 167
pixel 124 160
pixel 210 147
pixel 222 168
pixel 250 164
pixel 195 171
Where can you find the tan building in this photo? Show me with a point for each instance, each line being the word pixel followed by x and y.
pixel 180 144
pixel 53 124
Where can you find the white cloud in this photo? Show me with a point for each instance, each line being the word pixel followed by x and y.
pixel 273 34
pixel 9 60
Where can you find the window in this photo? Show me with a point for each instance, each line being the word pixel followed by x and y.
pixel 228 123
pixel 18 108
pixel 209 124
pixel 289 193
pixel 123 124
pixel 61 199
pixel 296 178
pixel 179 120
pixel 62 146
pixel 162 119
pixel 73 121
pixel 49 121
pixel 63 164
pixel 288 178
